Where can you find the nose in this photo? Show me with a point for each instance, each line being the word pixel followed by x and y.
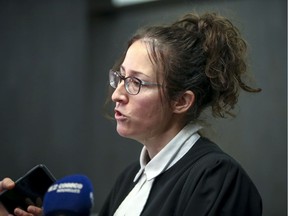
pixel 120 94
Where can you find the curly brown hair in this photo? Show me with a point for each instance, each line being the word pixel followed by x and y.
pixel 202 53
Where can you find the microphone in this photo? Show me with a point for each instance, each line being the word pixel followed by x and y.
pixel 69 196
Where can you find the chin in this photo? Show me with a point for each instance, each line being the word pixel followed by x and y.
pixel 124 133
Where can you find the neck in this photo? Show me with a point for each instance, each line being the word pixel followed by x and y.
pixel 155 144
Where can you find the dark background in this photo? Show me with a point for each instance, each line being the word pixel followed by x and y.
pixel 54 61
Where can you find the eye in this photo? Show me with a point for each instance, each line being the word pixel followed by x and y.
pixel 134 81
pixel 133 85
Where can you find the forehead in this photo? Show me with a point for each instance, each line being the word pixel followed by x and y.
pixel 138 59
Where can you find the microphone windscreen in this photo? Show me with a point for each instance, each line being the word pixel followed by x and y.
pixel 69 196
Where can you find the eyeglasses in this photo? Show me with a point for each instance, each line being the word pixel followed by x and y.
pixel 132 84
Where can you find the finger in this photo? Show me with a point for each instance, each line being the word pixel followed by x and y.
pixel 20 212
pixel 35 210
pixel 3 211
pixel 6 183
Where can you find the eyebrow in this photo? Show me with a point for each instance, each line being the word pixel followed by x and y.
pixel 134 72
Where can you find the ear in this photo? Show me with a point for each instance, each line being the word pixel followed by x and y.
pixel 184 102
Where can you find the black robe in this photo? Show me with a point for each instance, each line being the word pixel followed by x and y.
pixel 205 181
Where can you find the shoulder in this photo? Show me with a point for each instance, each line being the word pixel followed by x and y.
pixel 210 156
pixel 207 181
pixel 205 151
pixel 224 180
pixel 219 169
pixel 205 160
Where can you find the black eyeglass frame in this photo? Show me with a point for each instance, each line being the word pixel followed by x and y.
pixel 127 81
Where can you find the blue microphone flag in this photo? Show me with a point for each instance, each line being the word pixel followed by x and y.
pixel 69 196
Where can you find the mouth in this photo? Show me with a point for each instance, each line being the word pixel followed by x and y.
pixel 118 115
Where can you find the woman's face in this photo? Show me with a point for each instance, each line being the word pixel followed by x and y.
pixel 142 116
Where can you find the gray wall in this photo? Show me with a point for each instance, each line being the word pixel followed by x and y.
pixel 54 60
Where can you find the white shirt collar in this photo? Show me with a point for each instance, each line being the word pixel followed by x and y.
pixel 170 154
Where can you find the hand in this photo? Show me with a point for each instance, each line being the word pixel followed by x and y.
pixel 5 184
pixel 3 211
pixel 8 184
pixel 31 211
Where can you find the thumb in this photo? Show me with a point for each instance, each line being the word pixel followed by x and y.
pixel 6 184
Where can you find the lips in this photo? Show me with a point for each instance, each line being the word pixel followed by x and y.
pixel 119 115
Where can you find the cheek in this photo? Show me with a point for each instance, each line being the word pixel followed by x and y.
pixel 150 108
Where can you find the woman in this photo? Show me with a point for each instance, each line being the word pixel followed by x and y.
pixel 166 78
